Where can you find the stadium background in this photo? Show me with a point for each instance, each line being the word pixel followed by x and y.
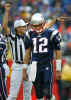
pixel 48 8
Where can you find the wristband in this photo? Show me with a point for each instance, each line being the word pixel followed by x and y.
pixel 58 65
pixel 25 66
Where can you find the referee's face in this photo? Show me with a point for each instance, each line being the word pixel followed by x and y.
pixel 21 30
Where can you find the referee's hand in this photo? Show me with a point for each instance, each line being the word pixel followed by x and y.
pixel 7 6
pixel 25 75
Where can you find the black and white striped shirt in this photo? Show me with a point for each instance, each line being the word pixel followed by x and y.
pixel 18 46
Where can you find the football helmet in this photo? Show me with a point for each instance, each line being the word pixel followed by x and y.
pixel 37 22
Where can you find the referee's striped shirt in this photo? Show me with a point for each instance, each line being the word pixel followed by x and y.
pixel 18 46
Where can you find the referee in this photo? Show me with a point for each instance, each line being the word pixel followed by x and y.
pixel 18 41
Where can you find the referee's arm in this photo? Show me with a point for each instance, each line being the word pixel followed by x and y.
pixel 26 62
pixel 27 56
pixel 5 19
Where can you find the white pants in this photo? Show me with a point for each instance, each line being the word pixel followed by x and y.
pixel 27 90
pixel 16 79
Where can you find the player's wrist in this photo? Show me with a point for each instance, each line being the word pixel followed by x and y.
pixel 58 65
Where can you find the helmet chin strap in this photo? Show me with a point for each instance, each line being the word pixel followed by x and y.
pixel 39 31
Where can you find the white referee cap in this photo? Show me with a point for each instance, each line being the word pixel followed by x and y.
pixel 19 22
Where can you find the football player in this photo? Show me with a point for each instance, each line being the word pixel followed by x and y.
pixel 43 42
pixel 3 66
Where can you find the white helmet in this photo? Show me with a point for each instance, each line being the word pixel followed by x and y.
pixel 37 19
pixel 19 22
pixel 38 23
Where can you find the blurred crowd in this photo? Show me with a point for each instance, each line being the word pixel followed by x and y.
pixel 47 7
pixel 50 9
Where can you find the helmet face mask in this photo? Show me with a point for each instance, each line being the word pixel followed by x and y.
pixel 38 28
pixel 37 23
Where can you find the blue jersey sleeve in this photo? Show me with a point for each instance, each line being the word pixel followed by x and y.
pixel 56 41
pixel 27 42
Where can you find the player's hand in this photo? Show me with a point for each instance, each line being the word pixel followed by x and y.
pixel 7 6
pixel 58 75
pixel 25 75
pixel 61 19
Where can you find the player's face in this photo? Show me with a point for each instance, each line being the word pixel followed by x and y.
pixel 21 30
pixel 38 28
